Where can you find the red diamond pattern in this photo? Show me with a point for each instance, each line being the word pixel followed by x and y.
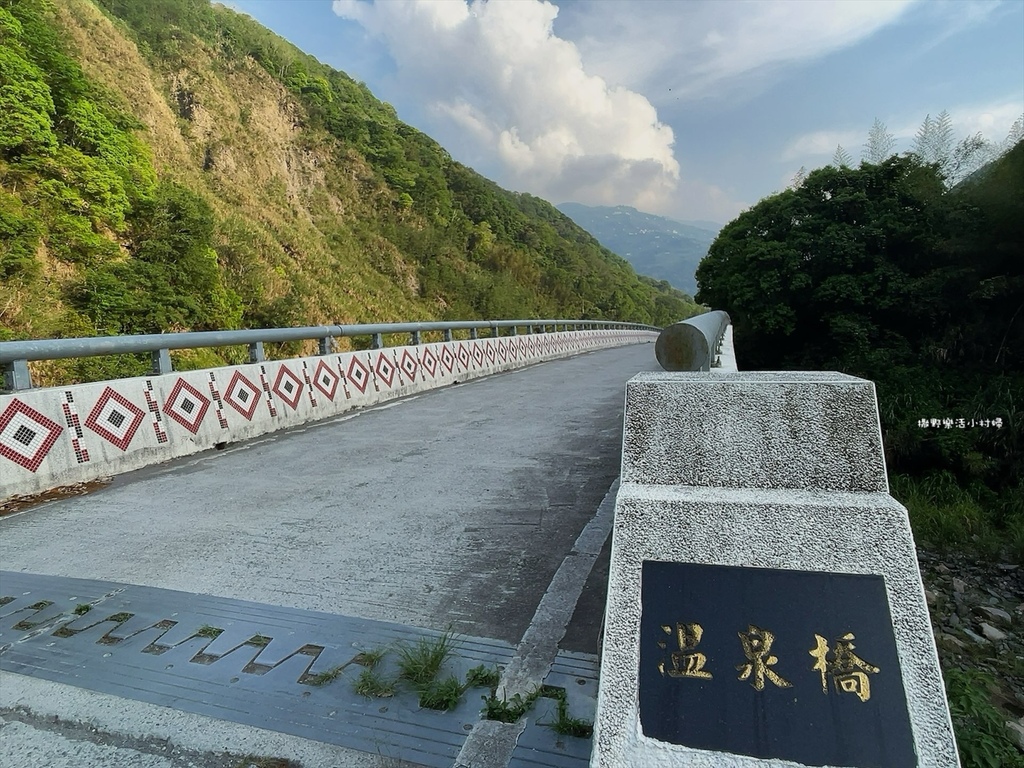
pixel 409 365
pixel 115 418
pixel 385 369
pixel 26 436
pixel 478 354
pixel 186 405
pixel 288 386
pixel 463 356
pixel 447 358
pixel 429 362
pixel 358 374
pixel 242 395
pixel 326 380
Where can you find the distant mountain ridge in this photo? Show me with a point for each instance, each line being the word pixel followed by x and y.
pixel 657 246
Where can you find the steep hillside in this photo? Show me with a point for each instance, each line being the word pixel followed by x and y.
pixel 171 165
pixel 657 246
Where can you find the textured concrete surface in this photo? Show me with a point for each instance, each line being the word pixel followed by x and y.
pixel 771 497
pixel 753 430
pixel 453 507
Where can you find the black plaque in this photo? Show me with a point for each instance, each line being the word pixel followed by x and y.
pixel 792 665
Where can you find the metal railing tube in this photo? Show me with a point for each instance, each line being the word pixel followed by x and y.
pixel 692 344
pixel 15 355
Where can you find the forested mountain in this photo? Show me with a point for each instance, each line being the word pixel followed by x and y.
pixel 172 165
pixel 655 245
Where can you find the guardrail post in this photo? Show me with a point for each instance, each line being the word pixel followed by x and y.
pixel 326 345
pixel 473 333
pixel 415 338
pixel 378 341
pixel 447 334
pixel 17 376
pixel 513 331
pixel 162 362
pixel 256 353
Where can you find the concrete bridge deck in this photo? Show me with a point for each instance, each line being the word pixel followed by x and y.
pixel 470 508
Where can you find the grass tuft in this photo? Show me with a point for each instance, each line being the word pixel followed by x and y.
pixel 370 658
pixel 483 677
pixel 508 710
pixel 82 608
pixel 208 631
pixel 325 677
pixel 371 684
pixel 421 663
pixel 444 695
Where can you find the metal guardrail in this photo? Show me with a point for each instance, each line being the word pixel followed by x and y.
pixel 15 355
pixel 692 344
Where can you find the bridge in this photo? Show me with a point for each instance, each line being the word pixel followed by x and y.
pixel 391 556
pixel 355 501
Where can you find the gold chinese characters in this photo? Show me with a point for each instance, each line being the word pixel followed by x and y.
pixel 849 672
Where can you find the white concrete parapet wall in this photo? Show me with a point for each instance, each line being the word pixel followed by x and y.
pixel 64 435
pixel 766 471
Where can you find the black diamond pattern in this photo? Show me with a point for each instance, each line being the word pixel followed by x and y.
pixel 116 418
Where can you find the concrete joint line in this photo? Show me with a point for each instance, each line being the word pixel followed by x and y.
pixel 490 744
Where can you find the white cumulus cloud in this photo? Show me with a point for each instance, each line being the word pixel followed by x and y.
pixel 495 76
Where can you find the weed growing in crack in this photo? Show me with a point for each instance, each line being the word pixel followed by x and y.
pixel 370 658
pixel 325 677
pixel 260 641
pixel 444 695
pixel 421 663
pixel 207 631
pixel 564 724
pixel 120 618
pixel 483 677
pixel 372 685
pixel 508 710
pixel 82 608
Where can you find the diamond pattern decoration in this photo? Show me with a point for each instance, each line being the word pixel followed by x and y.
pixel 242 395
pixel 186 405
pixel 115 418
pixel 326 380
pixel 463 356
pixel 385 369
pixel 447 358
pixel 429 362
pixel 409 365
pixel 478 354
pixel 26 435
pixel 288 386
pixel 491 354
pixel 502 351
pixel 358 374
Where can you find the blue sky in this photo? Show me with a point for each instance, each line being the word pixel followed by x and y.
pixel 693 109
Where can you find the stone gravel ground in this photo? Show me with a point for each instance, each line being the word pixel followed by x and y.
pixel 977 613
